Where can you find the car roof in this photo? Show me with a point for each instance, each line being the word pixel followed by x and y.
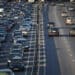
pixel 16 44
pixel 56 29
pixel 51 22
pixel 21 38
pixel 17 57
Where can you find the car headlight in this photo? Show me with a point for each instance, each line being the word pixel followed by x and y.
pixel 9 61
pixel 24 32
pixel 54 31
pixel 16 17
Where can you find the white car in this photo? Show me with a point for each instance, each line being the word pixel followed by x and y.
pixel 72 32
pixel 24 33
pixel 64 14
pixel 68 21
pixel 71 9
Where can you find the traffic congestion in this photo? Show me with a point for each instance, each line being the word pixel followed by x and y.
pixel 18 38
pixel 37 37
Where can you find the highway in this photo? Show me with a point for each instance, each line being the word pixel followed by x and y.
pixel 52 59
pixel 35 58
pixel 64 44
pixel 46 55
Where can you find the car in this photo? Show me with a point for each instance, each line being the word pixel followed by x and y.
pixel 53 32
pixel 72 32
pixel 16 34
pixel 71 8
pixel 69 21
pixel 16 46
pixel 25 33
pixel 10 24
pixel 64 14
pixel 16 64
pixel 16 51
pixel 2 34
pixel 15 60
pixel 13 53
pixel 50 24
pixel 22 41
pixel 25 27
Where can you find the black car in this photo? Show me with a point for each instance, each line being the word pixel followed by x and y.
pixel 53 32
pixel 16 64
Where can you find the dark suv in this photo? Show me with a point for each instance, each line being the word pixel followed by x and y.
pixel 16 65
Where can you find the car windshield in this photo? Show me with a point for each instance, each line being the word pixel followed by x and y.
pixel 16 46
pixel 28 19
pixel 1 35
pixel 51 22
pixel 16 50
pixel 17 33
pixel 13 55
pixel 21 41
pixel 53 29
pixel 73 28
pixel 16 62
pixel 26 26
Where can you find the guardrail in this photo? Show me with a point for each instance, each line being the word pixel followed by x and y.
pixel 7 71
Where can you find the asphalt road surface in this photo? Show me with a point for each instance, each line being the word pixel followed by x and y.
pixel 64 44
pixel 46 55
pixel 51 54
